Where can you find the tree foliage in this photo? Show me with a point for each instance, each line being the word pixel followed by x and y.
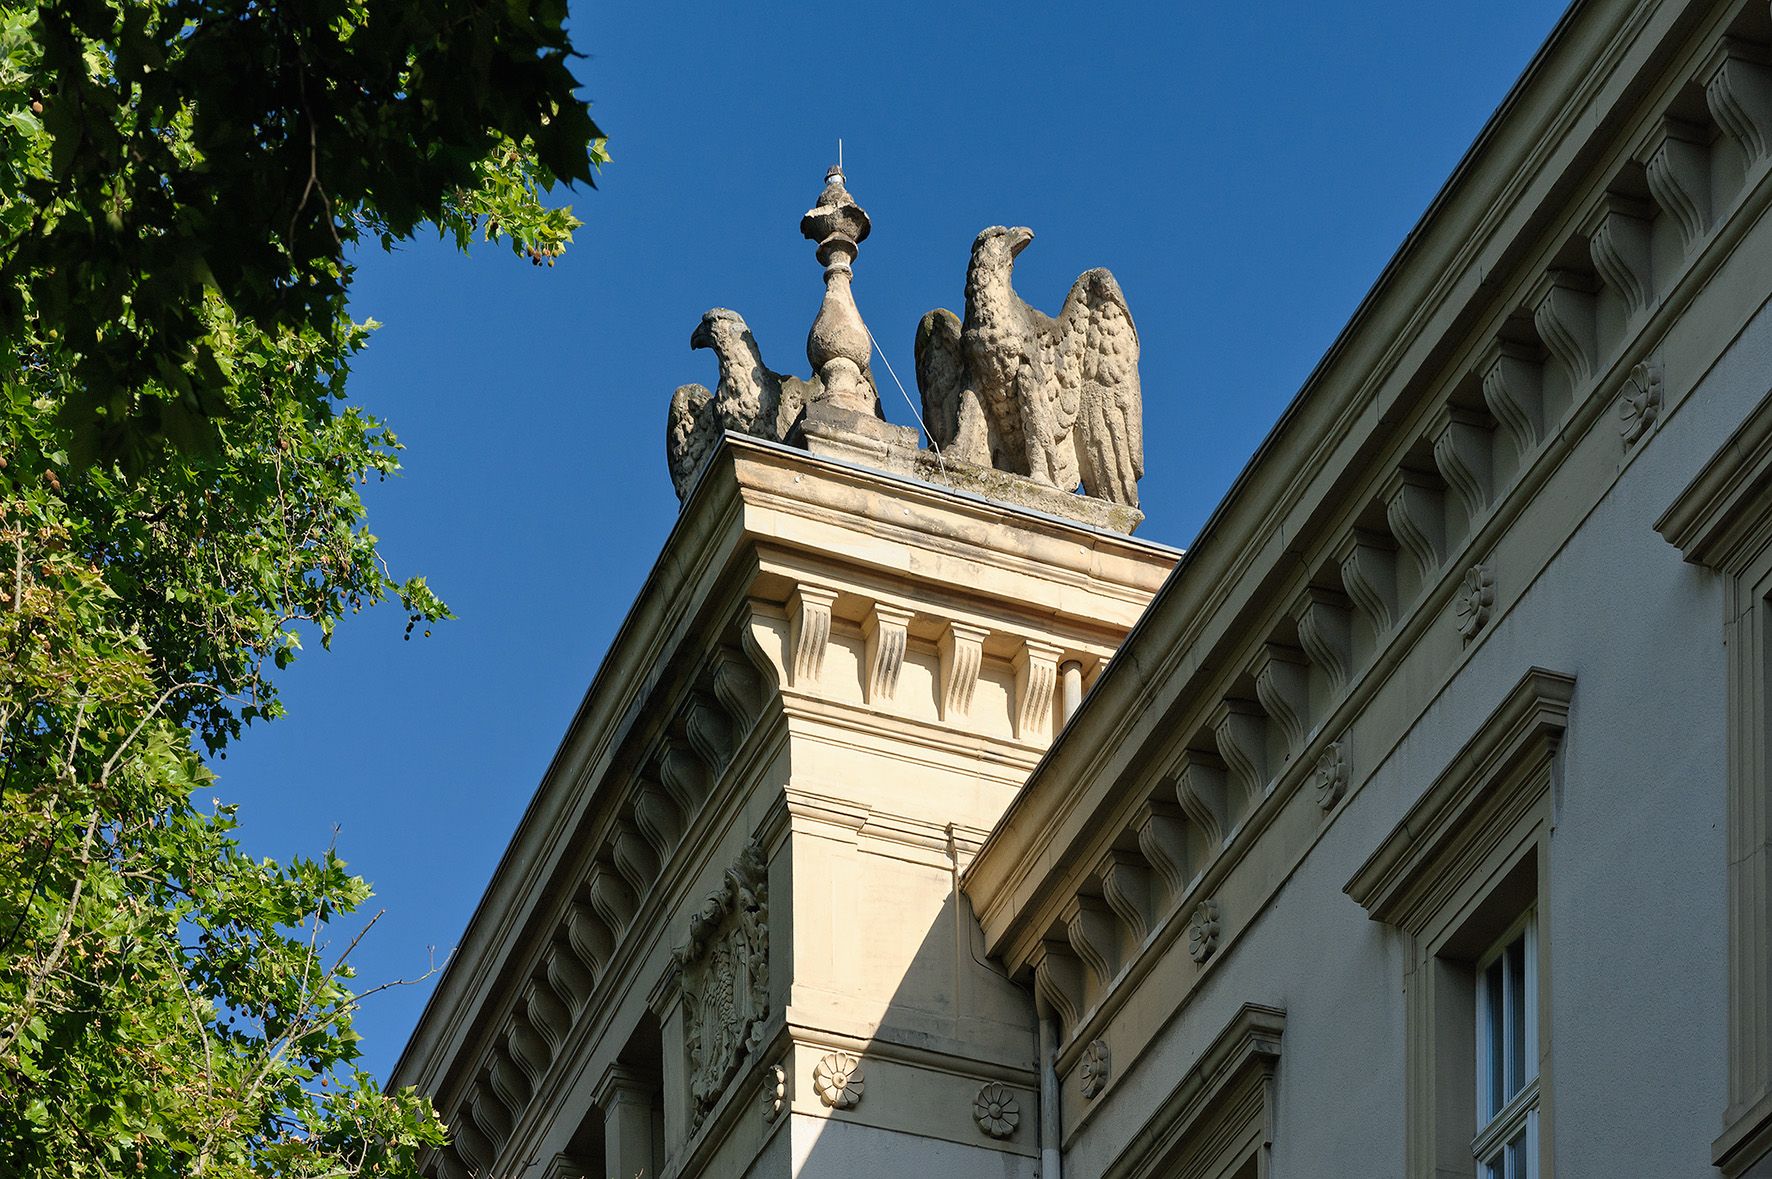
pixel 182 184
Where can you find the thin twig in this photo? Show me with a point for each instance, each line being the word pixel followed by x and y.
pixel 53 958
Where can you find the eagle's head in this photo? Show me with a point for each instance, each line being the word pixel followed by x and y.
pixel 724 331
pixel 999 245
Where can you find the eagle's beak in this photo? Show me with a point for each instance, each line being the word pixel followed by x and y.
pixel 1019 237
pixel 702 336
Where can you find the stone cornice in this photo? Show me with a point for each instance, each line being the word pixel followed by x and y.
pixel 1258 545
pixel 651 627
pixel 1706 522
pixel 1291 521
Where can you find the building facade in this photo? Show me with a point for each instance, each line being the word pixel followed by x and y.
pixel 1414 822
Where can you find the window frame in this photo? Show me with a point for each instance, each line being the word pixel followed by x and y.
pixel 1722 521
pixel 1468 861
pixel 1497 1128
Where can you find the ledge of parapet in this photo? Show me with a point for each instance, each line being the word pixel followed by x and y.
pixel 894 451
pixel 1023 492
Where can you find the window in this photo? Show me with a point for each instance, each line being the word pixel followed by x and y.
pixel 1723 521
pixel 1218 1120
pixel 1506 1145
pixel 1463 877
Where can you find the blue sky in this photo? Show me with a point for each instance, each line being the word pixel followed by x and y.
pixel 1245 170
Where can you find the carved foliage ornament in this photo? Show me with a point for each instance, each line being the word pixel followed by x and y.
pixel 838 1081
pixel 1203 931
pixel 1640 402
pixel 1095 1067
pixel 775 1092
pixel 1475 601
pixel 725 977
pixel 996 1111
pixel 1329 779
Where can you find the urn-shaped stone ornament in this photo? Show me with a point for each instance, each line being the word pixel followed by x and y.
pixel 839 344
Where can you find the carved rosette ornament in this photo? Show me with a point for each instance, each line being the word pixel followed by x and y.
pixel 1640 402
pixel 1475 601
pixel 996 1111
pixel 775 1092
pixel 725 978
pixel 838 1081
pixel 1203 931
pixel 1329 778
pixel 1095 1067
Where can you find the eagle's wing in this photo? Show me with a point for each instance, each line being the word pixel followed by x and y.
pixel 795 394
pixel 691 431
pixel 951 410
pixel 1098 373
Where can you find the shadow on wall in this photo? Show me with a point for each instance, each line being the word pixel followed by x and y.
pixel 946 1084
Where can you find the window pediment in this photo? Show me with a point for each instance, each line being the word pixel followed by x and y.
pixel 1720 520
pixel 1491 780
pixel 1220 1114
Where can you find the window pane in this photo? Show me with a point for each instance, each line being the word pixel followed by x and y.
pixel 1515 957
pixel 1516 1157
pixel 1493 1021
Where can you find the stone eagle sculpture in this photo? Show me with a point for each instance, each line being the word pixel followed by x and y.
pixel 749 398
pixel 1055 399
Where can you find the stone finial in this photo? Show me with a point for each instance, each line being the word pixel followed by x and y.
pixel 838 344
pixel 842 418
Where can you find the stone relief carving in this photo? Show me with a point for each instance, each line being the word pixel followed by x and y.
pixel 838 1081
pixel 725 977
pixel 1055 399
pixel 1640 401
pixel 775 1092
pixel 1095 1067
pixel 1203 931
pixel 996 1111
pixel 1475 601
pixel 1329 778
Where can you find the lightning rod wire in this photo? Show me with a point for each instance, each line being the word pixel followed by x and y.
pixel 933 445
